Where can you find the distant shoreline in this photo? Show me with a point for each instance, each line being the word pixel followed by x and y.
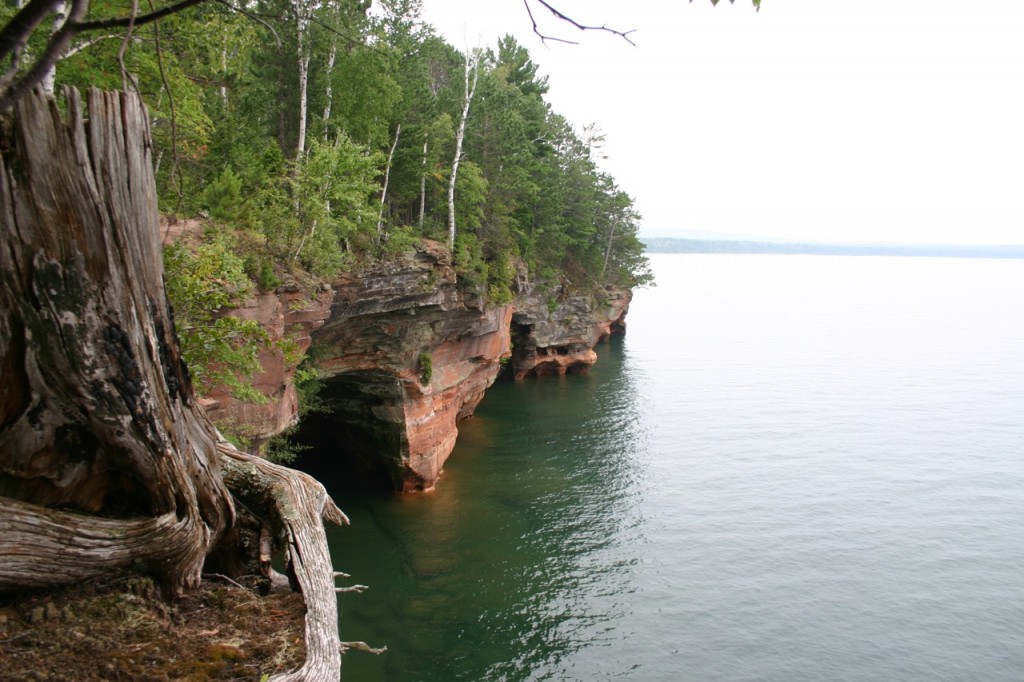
pixel 676 245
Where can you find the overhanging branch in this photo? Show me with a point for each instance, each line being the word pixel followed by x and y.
pixel 561 16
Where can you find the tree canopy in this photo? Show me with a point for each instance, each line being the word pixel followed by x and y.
pixel 339 126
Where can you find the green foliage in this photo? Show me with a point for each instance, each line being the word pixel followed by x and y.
pixel 202 285
pixel 328 206
pixel 224 94
pixel 402 239
pixel 224 202
pixel 267 279
pixel 469 262
pixel 500 275
pixel 281 449
pixel 426 367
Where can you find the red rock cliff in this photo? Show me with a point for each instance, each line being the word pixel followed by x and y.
pixel 555 333
pixel 289 314
pixel 406 355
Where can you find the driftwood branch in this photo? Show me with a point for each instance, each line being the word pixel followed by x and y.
pixel 45 547
pixel 360 646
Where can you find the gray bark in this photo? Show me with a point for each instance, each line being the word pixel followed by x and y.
pixel 106 458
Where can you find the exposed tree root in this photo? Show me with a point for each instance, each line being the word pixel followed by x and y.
pixel 297 505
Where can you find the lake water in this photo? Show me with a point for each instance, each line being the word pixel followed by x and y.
pixel 791 468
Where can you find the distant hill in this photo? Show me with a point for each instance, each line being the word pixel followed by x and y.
pixel 674 245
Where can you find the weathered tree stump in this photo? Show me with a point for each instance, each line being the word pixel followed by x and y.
pixel 106 459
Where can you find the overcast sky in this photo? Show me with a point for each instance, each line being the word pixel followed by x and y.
pixel 839 120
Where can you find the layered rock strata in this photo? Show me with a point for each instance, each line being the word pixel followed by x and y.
pixel 555 333
pixel 405 355
pixel 290 315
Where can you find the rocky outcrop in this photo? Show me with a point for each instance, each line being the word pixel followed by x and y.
pixel 555 334
pixel 290 315
pixel 405 355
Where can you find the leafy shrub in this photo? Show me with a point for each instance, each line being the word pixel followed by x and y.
pixel 426 366
pixel 220 350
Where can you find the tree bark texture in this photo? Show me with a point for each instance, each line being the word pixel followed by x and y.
pixel 96 410
pixel 106 459
pixel 299 505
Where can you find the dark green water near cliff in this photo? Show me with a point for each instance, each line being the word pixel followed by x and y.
pixel 791 468
pixel 485 578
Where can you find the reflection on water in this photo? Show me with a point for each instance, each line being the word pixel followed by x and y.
pixel 515 563
pixel 792 468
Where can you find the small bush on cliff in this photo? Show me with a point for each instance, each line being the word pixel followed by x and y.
pixel 426 366
pixel 500 275
pixel 223 199
pixel 220 350
pixel 261 271
pixel 400 240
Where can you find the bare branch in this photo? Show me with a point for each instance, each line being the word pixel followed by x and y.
pixel 219 576
pixel 15 34
pixel 353 588
pixel 89 43
pixel 255 18
pixel 55 49
pixel 361 646
pixel 125 76
pixel 558 14
pixel 118 22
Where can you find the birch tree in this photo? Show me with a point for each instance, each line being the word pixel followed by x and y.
pixel 470 74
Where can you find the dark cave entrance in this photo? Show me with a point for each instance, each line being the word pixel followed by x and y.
pixel 356 440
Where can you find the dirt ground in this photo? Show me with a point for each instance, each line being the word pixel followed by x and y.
pixel 123 629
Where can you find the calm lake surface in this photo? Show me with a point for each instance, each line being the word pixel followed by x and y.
pixel 791 468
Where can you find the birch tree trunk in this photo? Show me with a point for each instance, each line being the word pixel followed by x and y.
pixel 472 61
pixel 423 182
pixel 329 90
pixel 60 11
pixel 607 251
pixel 303 13
pixel 387 177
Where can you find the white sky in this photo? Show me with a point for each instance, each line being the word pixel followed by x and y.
pixel 832 120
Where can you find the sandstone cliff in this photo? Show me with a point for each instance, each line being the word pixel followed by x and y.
pixel 290 315
pixel 405 354
pixel 556 333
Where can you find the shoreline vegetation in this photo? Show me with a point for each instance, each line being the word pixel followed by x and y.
pixel 726 246
pixel 313 143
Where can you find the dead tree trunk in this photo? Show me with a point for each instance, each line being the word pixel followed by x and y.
pixel 96 408
pixel 105 456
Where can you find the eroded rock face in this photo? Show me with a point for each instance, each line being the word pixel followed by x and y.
pixel 291 314
pixel 555 334
pixel 405 356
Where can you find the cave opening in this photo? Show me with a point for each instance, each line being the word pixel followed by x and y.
pixel 354 439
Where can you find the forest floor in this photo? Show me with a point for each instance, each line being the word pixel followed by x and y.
pixel 123 629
